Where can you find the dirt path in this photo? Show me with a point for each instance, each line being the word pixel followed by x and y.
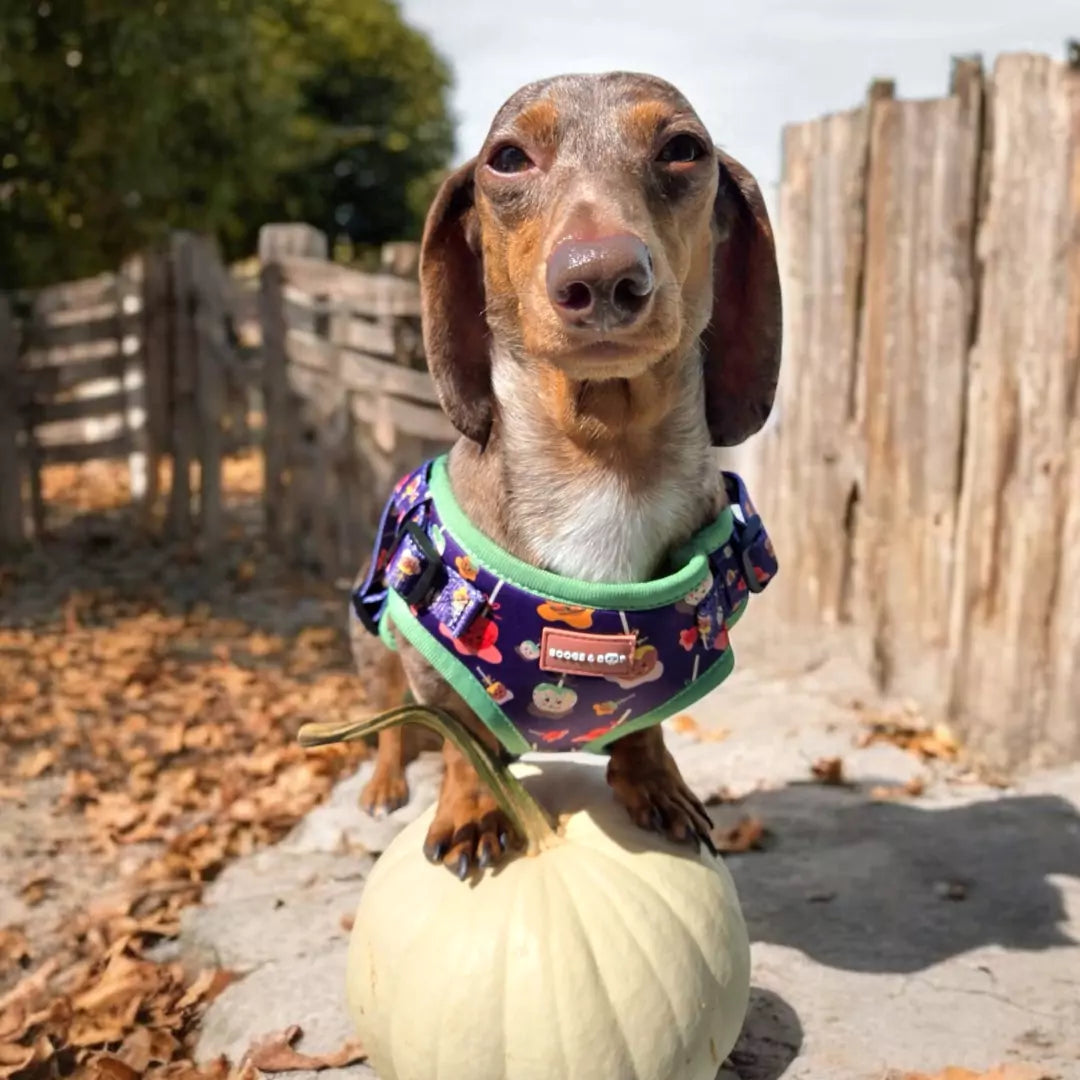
pixel 148 705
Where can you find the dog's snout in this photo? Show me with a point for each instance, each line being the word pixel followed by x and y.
pixel 600 284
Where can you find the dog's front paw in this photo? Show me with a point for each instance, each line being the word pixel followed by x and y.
pixel 469 833
pixel 657 798
pixel 385 792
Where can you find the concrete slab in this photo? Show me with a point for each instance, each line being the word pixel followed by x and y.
pixel 908 934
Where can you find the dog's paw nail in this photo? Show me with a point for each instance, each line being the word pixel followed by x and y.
pixel 656 818
pixel 435 852
pixel 462 868
pixel 504 840
pixel 485 858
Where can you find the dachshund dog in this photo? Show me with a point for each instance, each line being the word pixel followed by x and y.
pixel 601 308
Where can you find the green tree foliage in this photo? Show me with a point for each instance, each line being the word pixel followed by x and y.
pixel 120 120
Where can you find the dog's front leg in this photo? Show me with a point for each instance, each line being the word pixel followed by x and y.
pixel 469 832
pixel 646 780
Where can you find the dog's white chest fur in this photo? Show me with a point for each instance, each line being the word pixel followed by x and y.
pixel 593 523
pixel 597 529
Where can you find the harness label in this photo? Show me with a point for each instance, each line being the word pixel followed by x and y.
pixel 570 652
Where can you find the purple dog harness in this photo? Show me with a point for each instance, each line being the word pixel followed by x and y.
pixel 549 663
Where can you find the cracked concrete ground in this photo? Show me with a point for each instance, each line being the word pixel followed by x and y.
pixel 887 934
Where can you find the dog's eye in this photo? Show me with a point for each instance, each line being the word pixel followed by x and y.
pixel 510 159
pixel 681 149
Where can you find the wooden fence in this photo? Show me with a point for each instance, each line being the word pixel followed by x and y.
pixel 74 387
pixel 161 360
pixel 134 364
pixel 348 400
pixel 922 473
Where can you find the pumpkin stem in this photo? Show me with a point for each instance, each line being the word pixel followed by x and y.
pixel 528 817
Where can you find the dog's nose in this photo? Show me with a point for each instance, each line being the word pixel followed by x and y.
pixel 601 284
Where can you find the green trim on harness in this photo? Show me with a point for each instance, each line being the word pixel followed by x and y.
pixel 637 596
pixel 497 722
pixel 456 674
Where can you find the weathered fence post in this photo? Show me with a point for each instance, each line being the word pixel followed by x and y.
pixel 276 425
pixel 185 433
pixel 211 350
pixel 11 500
pixel 921 201
pixel 277 242
pixel 32 329
pixel 131 344
pixel 1016 600
pixel 156 331
pixel 811 456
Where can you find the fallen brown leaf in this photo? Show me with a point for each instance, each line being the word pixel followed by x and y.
pixel 1002 1072
pixel 30 768
pixel 14 948
pixel 36 889
pixel 112 1068
pixel 15 1057
pixel 31 986
pixel 748 834
pixel 175 739
pixel 829 771
pixel 146 1046
pixel 910 733
pixel 685 724
pixel 13 1023
pixel 716 734
pixel 275 1053
pixel 912 789
pixel 207 986
pixel 720 796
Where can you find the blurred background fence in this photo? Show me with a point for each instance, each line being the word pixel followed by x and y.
pixel 346 391
pixel 921 473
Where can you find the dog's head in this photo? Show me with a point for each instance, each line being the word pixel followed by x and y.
pixel 599 235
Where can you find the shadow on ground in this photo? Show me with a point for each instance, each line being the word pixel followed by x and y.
pixel 873 886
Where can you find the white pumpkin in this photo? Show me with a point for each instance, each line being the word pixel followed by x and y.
pixel 612 954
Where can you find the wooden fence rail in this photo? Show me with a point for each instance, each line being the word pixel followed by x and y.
pixel 347 395
pixel 923 470
pixel 133 364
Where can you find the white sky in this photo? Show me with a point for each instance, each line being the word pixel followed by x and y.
pixel 748 68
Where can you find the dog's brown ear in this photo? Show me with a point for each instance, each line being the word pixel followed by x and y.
pixel 742 342
pixel 456 336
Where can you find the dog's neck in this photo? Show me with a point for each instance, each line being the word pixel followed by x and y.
pixel 595 481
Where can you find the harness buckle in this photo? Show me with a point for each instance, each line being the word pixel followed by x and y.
pixel 432 560
pixel 750 532
pixel 360 607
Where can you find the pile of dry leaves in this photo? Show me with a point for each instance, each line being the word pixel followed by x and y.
pixel 170 735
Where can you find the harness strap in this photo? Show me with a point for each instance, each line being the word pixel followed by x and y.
pixel 410 494
pixel 419 575
pixel 749 539
pixel 408 561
